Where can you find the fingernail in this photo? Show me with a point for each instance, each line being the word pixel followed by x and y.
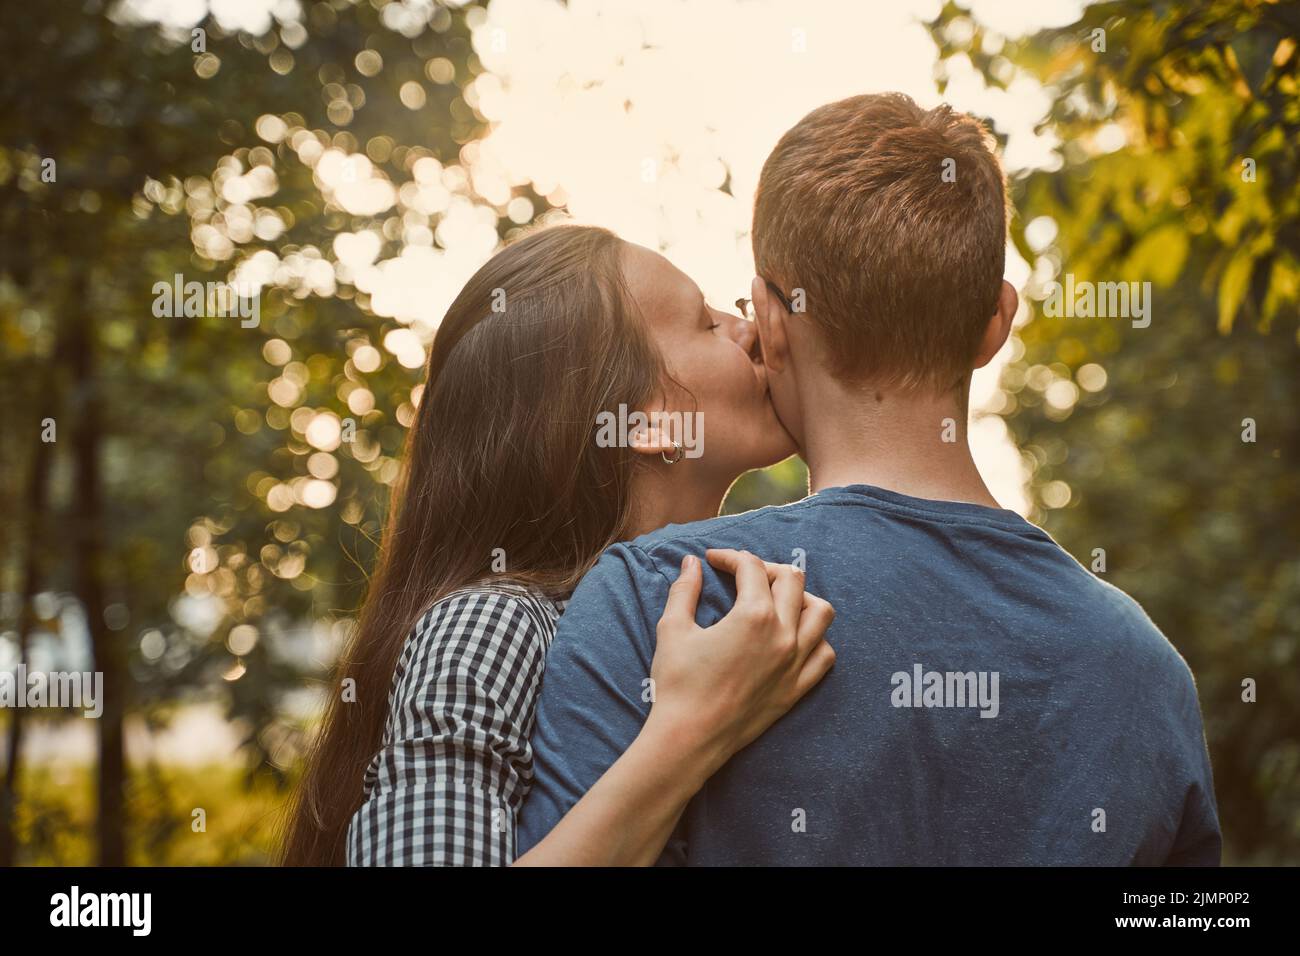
pixel 688 562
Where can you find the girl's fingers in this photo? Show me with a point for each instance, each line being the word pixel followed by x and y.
pixel 788 595
pixel 724 559
pixel 814 621
pixel 818 664
pixel 787 583
pixel 753 593
pixel 684 595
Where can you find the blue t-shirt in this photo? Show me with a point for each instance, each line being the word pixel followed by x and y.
pixel 992 701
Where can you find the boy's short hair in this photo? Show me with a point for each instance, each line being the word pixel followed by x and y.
pixel 893 221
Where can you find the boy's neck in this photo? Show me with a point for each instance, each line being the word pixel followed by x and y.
pixel 908 442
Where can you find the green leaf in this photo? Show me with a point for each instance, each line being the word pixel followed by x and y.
pixel 1159 256
pixel 1232 287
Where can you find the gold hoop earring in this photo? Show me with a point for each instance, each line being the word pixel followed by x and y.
pixel 677 454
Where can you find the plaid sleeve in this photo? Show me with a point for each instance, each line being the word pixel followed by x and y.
pixel 456 762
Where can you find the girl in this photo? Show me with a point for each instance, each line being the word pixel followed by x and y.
pixel 505 501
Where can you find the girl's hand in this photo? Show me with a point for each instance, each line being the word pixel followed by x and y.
pixel 718 688
pixel 715 690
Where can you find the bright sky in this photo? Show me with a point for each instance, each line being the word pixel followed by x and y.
pixel 632 114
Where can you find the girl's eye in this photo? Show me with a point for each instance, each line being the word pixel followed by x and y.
pixel 714 326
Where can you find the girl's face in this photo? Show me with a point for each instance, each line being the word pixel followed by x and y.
pixel 716 369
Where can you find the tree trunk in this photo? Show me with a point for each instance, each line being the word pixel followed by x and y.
pixel 38 483
pixel 89 558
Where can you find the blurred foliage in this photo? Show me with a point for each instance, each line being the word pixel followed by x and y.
pixel 55 818
pixel 1134 436
pixel 777 485
pixel 176 153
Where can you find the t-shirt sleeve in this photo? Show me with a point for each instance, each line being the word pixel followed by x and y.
pixel 1199 841
pixel 444 788
pixel 1172 777
pixel 595 695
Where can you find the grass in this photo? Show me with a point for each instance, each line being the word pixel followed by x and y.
pixel 236 826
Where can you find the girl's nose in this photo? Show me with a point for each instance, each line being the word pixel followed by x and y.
pixel 742 332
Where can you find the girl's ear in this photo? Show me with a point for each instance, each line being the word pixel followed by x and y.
pixel 770 318
pixel 650 440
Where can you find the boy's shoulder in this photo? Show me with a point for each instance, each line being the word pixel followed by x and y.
pixel 643 568
pixel 1149 652
pixel 1121 627
pixel 743 530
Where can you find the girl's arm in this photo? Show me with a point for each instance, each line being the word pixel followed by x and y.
pixel 444 788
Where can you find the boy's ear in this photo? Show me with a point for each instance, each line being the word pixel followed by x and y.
pixel 770 318
pixel 999 327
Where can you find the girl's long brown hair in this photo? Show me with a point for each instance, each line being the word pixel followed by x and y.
pixel 502 455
